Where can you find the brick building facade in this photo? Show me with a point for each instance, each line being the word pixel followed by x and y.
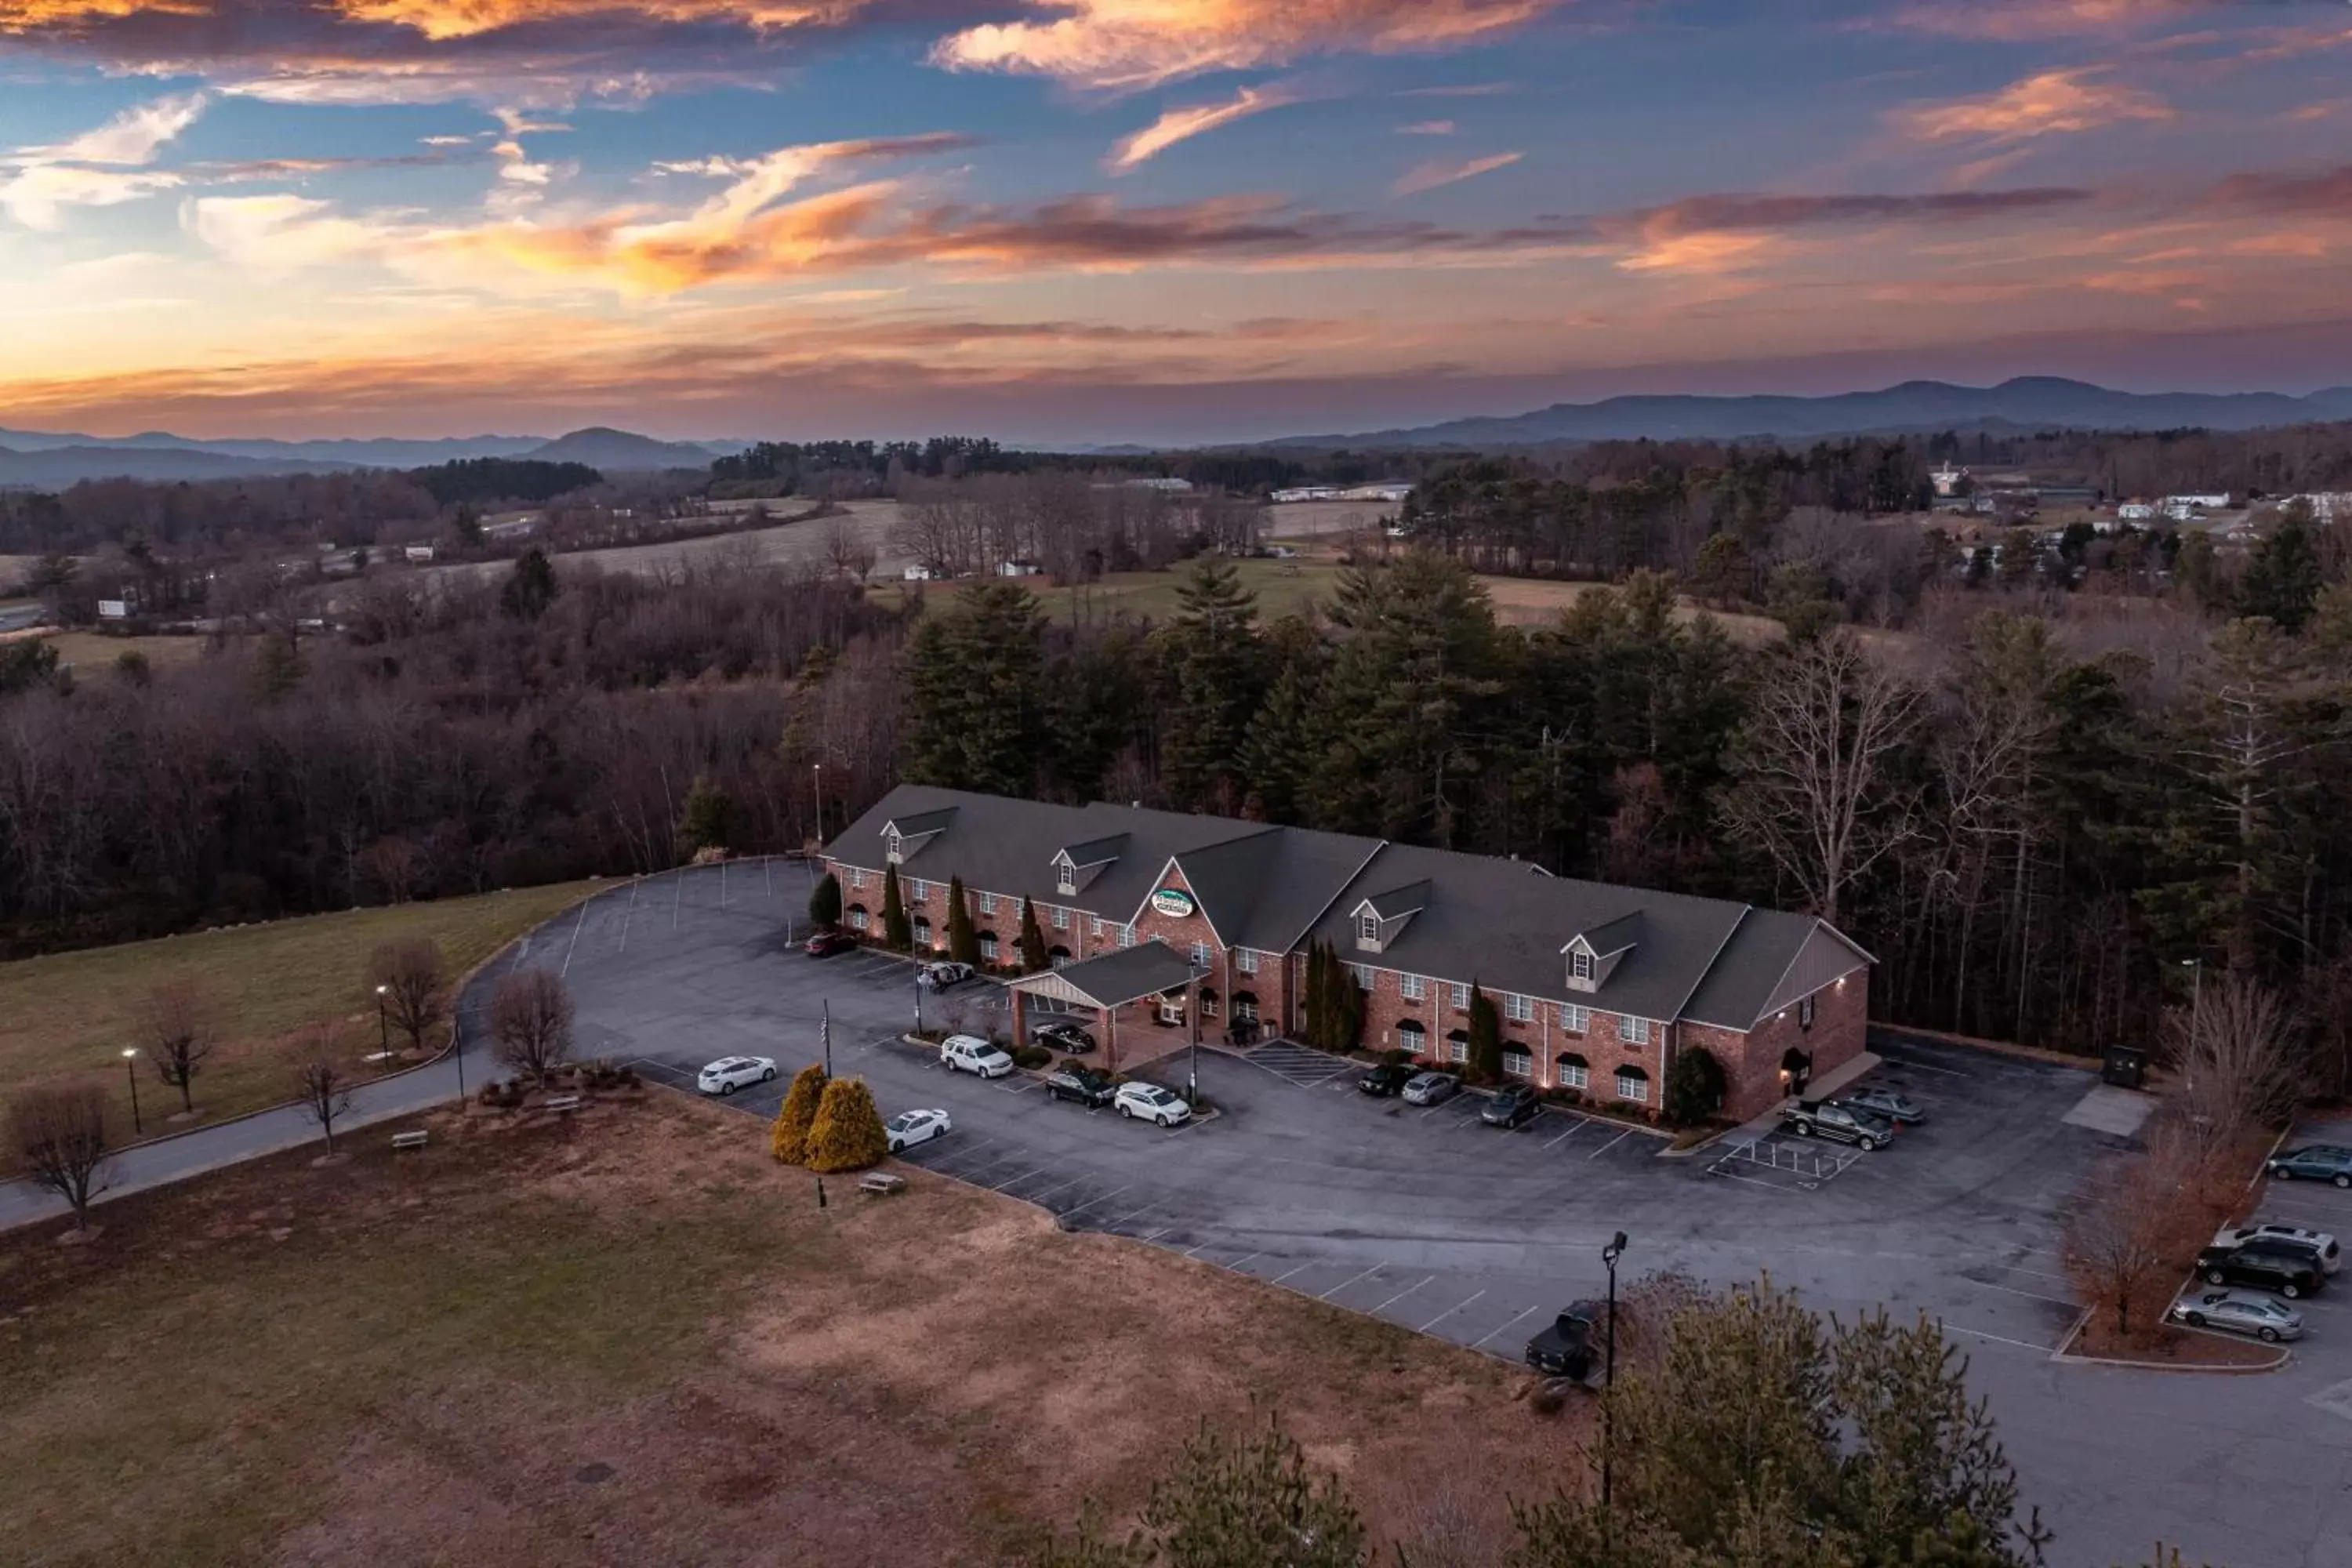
pixel 1597 986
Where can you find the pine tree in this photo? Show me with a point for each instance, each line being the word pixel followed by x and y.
pixel 963 943
pixel 824 901
pixel 1721 574
pixel 705 823
pixel 974 691
pixel 848 1132
pixel 788 1138
pixel 1485 1037
pixel 530 588
pixel 1278 752
pixel 2283 577
pixel 1215 668
pixel 898 931
pixel 1033 956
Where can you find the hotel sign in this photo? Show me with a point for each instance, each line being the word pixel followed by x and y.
pixel 1173 902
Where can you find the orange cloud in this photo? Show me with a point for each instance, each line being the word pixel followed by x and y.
pixel 1141 43
pixel 467 18
pixel 1182 124
pixel 2054 103
pixel 2015 20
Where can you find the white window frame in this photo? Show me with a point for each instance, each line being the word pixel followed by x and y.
pixel 1061 918
pixel 988 947
pixel 1066 880
pixel 856 878
pixel 858 918
pixel 1414 1039
pixel 1457 1051
pixel 1412 988
pixel 1200 955
pixel 1526 1061
pixel 922 893
pixel 894 846
pixel 1461 995
pixel 1805 1012
pixel 1518 1009
pixel 1095 925
pixel 1127 935
pixel 1245 959
pixel 987 903
pixel 1580 965
pixel 1574 1020
pixel 1632 1030
pixel 1208 1005
pixel 1571 1076
pixel 1367 927
pixel 1629 1087
pixel 1366 975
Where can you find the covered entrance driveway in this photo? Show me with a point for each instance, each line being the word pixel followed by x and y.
pixel 1144 972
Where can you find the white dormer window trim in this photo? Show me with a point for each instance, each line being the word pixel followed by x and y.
pixel 894 846
pixel 1581 964
pixel 1066 875
pixel 1368 929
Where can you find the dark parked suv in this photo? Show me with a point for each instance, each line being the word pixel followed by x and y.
pixel 1565 1349
pixel 1511 1106
pixel 2292 1271
pixel 1386 1080
pixel 1083 1084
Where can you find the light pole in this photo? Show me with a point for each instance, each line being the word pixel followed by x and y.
pixel 2195 967
pixel 131 1071
pixel 1193 1017
pixel 383 1026
pixel 816 771
pixel 1609 1256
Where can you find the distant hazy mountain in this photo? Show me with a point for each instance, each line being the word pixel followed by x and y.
pixel 57 467
pixel 619 450
pixel 370 454
pixel 2031 402
pixel 49 459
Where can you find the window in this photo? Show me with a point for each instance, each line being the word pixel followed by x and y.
pixel 1061 918
pixel 922 890
pixel 1065 878
pixel 1245 959
pixel 1059 957
pixel 1095 923
pixel 1632 1030
pixel 1411 1037
pixel 891 846
pixel 987 903
pixel 857 920
pixel 1368 929
pixel 1805 1013
pixel 1580 964
pixel 1460 996
pixel 988 946
pixel 1516 1008
pixel 856 878
pixel 1632 1084
pixel 1573 1072
pixel 1518 1063
pixel 1412 988
pixel 922 931
pixel 1245 1007
pixel 1457 1047
pixel 1575 1020
pixel 1127 936
pixel 1200 955
pixel 1207 1002
pixel 1366 975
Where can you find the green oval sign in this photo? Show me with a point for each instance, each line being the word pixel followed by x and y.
pixel 1173 902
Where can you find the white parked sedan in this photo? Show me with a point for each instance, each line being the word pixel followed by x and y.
pixel 969 1053
pixel 2267 1319
pixel 910 1128
pixel 1152 1103
pixel 728 1074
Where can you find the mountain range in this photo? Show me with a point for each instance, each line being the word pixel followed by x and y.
pixel 48 461
pixel 2027 403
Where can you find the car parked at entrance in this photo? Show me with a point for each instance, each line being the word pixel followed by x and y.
pixel 1831 1119
pixel 2314 1162
pixel 943 975
pixel 1511 1106
pixel 1885 1103
pixel 1388 1079
pixel 1152 1103
pixel 2293 1272
pixel 2331 1257
pixel 1567 1347
pixel 1430 1088
pixel 2260 1316
pixel 969 1053
pixel 910 1128
pixel 825 944
pixel 1061 1035
pixel 1081 1086
pixel 728 1074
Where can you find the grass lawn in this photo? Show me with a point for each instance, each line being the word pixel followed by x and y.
pixel 93 653
pixel 73 1013
pixel 636 1339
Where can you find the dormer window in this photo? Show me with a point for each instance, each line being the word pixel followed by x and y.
pixel 1065 878
pixel 894 846
pixel 1368 929
pixel 1580 965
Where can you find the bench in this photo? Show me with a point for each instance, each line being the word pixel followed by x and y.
pixel 415 1140
pixel 562 1104
pixel 881 1185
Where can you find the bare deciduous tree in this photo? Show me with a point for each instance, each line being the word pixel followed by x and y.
pixel 409 975
pixel 2233 1050
pixel 176 1019
pixel 326 1095
pixel 2122 1239
pixel 1816 789
pixel 847 546
pixel 61 1134
pixel 530 1018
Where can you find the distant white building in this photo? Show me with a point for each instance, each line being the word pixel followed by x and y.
pixel 418 553
pixel 1386 493
pixel 920 573
pixel 1947 479
pixel 2180 509
pixel 1018 569
pixel 2136 512
pixel 2327 506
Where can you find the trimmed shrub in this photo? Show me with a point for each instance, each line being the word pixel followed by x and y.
pixel 825 900
pixel 788 1140
pixel 898 931
pixel 847 1134
pixel 963 943
pixel 1486 1038
pixel 1031 1056
pixel 1033 955
pixel 1694 1086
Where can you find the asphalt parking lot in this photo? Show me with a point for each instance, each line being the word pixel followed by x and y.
pixel 1429 1219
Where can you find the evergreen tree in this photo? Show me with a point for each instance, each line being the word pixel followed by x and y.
pixel 1033 956
pixel 963 943
pixel 974 691
pixel 788 1138
pixel 280 666
pixel 1278 751
pixel 847 1134
pixel 1215 672
pixel 1486 1038
pixel 1694 1087
pixel 1721 574
pixel 706 823
pixel 2282 579
pixel 530 588
pixel 824 901
pixel 898 931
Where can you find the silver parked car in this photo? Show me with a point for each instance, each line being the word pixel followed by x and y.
pixel 1432 1089
pixel 2266 1318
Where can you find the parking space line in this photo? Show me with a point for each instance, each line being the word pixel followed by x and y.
pixel 1000 1186
pixel 1611 1144
pixel 1287 1274
pixel 1236 1268
pixel 2039 1274
pixel 1122 1219
pixel 1923 1066
pixel 2029 1295
pixel 1402 1294
pixel 1447 1313
pixel 1576 1125
pixel 1343 1284
pixel 1999 1339
pixel 1480 1341
pixel 1065 1188
pixel 1155 1234
pixel 1091 1203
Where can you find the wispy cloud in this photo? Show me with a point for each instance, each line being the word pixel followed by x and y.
pixel 1176 125
pixel 1427 128
pixel 1431 176
pixel 104 167
pixel 2052 102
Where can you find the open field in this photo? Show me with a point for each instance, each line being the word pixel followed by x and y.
pixel 72 1013
pixel 1313 519
pixel 92 653
pixel 638 1340
pixel 774 545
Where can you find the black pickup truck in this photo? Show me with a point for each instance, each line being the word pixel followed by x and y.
pixel 1566 1348
pixel 1846 1123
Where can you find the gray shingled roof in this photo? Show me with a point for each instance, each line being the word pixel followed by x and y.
pixel 1499 923
pixel 1127 973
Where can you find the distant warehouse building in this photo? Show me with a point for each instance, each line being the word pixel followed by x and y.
pixel 1598 986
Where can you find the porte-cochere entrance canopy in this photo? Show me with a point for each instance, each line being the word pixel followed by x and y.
pixel 1113 980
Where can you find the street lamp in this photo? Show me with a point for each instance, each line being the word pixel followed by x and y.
pixel 131 1071
pixel 816 771
pixel 2196 966
pixel 1608 1255
pixel 383 1026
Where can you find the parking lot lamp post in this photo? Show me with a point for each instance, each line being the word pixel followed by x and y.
pixel 1609 1256
pixel 1193 1018
pixel 131 1071
pixel 816 771
pixel 383 1025
pixel 919 1002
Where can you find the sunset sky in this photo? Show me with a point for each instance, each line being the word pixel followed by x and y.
pixel 1107 220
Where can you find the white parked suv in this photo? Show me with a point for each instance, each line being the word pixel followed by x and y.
pixel 942 974
pixel 728 1074
pixel 1152 1103
pixel 969 1053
